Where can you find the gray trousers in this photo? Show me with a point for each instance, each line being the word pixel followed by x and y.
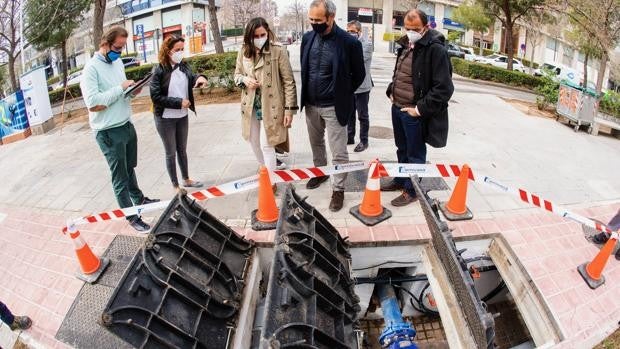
pixel 318 120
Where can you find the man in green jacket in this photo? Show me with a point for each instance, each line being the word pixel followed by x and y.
pixel 103 83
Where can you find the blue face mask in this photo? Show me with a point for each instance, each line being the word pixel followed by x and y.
pixel 111 56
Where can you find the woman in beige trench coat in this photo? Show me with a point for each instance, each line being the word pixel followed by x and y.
pixel 268 92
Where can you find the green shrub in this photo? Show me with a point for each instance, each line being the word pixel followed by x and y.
pixel 57 95
pixel 490 73
pixel 130 54
pixel 610 103
pixel 548 91
pixel 526 63
pixel 232 32
pixel 219 68
pixel 137 73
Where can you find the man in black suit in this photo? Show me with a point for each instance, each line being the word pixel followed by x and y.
pixel 332 68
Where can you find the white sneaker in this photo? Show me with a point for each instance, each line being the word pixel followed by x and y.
pixel 280 165
pixel 282 156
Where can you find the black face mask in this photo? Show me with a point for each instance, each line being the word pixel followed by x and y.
pixel 320 28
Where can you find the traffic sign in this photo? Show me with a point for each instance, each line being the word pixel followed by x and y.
pixel 139 29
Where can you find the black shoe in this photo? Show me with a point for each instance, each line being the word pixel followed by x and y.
pixel 391 186
pixel 337 201
pixel 21 323
pixel 350 141
pixel 600 238
pixel 147 201
pixel 403 199
pixel 361 147
pixel 314 183
pixel 139 225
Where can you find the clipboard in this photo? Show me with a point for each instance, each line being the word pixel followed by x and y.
pixel 141 83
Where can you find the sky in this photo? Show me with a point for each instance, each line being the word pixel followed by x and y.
pixel 283 5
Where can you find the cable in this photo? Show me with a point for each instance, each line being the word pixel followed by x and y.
pixel 387 262
pixel 494 292
pixel 421 302
pixel 478 258
pixel 391 280
pixel 410 299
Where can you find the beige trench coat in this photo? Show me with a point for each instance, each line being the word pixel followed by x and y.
pixel 278 91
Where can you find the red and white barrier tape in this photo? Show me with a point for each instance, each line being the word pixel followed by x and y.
pixel 247 183
pixel 424 170
pixel 542 203
pixel 392 169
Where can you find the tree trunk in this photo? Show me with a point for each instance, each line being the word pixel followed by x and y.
pixel 601 72
pixel 509 46
pixel 585 70
pixel 532 58
pixel 481 43
pixel 12 77
pixel 65 66
pixel 98 22
pixel 215 27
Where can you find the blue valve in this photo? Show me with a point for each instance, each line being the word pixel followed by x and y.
pixel 397 333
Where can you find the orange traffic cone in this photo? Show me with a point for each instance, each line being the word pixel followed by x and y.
pixel 370 211
pixel 456 208
pixel 266 216
pixel 592 272
pixel 92 267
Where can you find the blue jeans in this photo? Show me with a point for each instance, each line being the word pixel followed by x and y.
pixel 410 145
pixel 614 223
pixel 5 314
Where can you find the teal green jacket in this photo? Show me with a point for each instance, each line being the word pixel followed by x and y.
pixel 101 85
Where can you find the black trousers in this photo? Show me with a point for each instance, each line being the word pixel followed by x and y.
pixel 173 133
pixel 361 106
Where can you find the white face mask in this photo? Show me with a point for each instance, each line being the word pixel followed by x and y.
pixel 413 36
pixel 177 57
pixel 259 43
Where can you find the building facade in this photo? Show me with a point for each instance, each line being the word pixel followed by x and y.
pixel 150 22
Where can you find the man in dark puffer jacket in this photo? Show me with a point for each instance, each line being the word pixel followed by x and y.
pixel 420 90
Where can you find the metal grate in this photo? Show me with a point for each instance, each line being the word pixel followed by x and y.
pixel 310 299
pixel 480 321
pixel 80 327
pixel 183 289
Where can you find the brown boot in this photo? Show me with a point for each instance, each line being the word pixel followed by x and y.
pixel 337 201
pixel 21 323
pixel 403 199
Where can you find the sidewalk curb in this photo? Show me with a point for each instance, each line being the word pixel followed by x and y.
pixel 491 83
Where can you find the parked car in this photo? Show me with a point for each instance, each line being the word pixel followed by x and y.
pixel 502 62
pixel 454 51
pixel 560 73
pixel 72 79
pixel 129 62
pixel 469 54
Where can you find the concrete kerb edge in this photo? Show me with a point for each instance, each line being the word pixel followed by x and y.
pixel 490 83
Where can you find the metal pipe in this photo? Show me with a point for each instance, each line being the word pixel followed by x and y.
pixel 397 334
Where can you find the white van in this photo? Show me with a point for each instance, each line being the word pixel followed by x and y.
pixel 561 73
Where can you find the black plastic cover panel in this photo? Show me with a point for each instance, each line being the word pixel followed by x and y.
pixel 183 288
pixel 310 301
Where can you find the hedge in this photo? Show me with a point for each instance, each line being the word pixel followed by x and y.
pixel 57 94
pixel 610 104
pixel 491 73
pixel 232 32
pixel 219 68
